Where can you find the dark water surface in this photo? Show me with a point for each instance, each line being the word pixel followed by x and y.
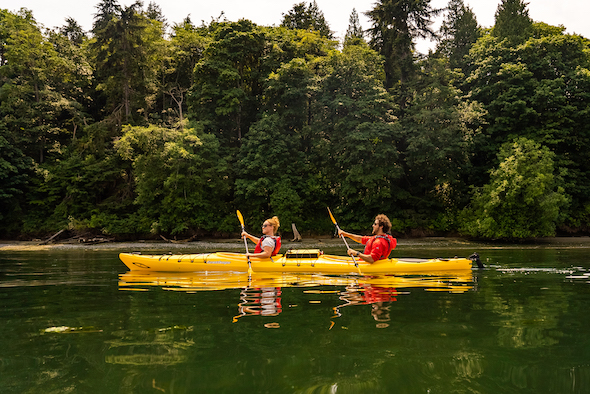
pixel 78 322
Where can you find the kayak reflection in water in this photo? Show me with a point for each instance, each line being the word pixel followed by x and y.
pixel 269 244
pixel 378 297
pixel 378 246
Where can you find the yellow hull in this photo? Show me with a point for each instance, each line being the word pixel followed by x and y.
pixel 456 281
pixel 305 261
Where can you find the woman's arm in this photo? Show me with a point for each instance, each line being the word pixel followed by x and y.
pixel 263 255
pixel 250 237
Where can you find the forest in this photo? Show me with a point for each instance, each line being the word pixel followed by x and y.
pixel 140 128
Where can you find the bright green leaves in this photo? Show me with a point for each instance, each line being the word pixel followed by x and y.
pixel 538 90
pixel 522 199
pixel 176 175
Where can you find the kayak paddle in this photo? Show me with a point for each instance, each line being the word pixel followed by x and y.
pixel 344 239
pixel 241 219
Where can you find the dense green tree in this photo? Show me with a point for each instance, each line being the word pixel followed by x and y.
pixel 538 90
pixel 522 199
pixel 273 173
pixel 187 44
pixel 512 21
pixel 354 33
pixel 125 46
pixel 73 190
pixel 353 119
pixel 440 130
pixel 176 175
pixel 283 45
pixel 226 93
pixel 395 24
pixel 73 31
pixel 458 32
pixel 15 172
pixel 36 100
pixel 302 17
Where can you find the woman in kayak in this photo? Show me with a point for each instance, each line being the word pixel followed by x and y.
pixel 377 247
pixel 269 244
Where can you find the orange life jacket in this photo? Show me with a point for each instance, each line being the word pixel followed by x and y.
pixel 276 249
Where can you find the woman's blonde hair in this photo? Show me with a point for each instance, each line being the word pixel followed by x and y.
pixel 275 223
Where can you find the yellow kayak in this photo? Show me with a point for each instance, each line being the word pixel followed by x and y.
pixel 301 260
pixel 456 281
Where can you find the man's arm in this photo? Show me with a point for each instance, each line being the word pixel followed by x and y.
pixel 354 237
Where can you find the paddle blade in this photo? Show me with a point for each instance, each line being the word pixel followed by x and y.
pixel 332 216
pixel 240 217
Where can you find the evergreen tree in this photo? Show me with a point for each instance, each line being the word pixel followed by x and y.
pixel 73 31
pixel 396 23
pixel 154 12
pixel 354 33
pixel 307 18
pixel 125 43
pixel 512 21
pixel 458 32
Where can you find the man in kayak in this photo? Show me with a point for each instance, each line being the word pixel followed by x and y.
pixel 269 244
pixel 378 246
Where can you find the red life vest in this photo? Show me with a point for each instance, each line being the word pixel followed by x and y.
pixel 276 249
pixel 392 242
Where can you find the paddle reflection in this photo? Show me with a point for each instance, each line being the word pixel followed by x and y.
pixel 261 294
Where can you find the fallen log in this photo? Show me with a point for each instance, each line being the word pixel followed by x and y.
pixel 52 237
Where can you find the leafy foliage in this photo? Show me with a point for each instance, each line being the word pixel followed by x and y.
pixel 145 128
pixel 175 176
pixel 522 199
pixel 302 17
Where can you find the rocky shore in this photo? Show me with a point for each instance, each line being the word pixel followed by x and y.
pixel 237 245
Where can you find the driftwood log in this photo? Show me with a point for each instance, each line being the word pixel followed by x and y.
pixel 179 242
pixel 296 235
pixel 52 237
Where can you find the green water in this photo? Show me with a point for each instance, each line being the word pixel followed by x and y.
pixel 73 322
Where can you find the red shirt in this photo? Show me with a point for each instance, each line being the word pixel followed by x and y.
pixel 379 246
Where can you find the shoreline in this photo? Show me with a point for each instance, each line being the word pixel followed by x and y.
pixel 237 245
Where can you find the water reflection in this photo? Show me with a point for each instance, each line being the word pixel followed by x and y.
pixel 261 294
pixel 378 297
pixel 263 301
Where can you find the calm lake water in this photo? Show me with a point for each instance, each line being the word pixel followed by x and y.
pixel 79 322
